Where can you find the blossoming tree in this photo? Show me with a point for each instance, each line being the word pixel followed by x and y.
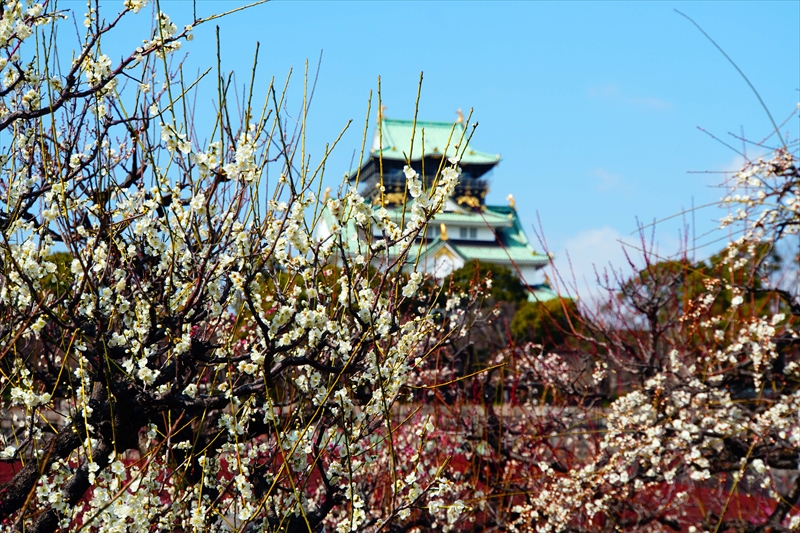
pixel 178 350
pixel 704 433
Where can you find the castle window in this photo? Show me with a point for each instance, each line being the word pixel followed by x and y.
pixel 463 233
pixel 473 233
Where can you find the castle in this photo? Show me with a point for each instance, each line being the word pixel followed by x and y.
pixel 467 228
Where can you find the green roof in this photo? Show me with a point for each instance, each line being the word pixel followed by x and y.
pixel 487 217
pixel 541 293
pixel 515 236
pixel 513 245
pixel 440 138
pixel 478 220
pixel 524 255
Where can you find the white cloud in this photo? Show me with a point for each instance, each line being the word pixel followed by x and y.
pixel 736 164
pixel 612 92
pixel 607 181
pixel 601 257
pixel 656 104
pixel 593 252
pixel 609 91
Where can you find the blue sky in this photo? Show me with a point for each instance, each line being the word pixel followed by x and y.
pixel 594 106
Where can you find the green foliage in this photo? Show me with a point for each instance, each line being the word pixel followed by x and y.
pixel 506 287
pixel 746 268
pixel 547 323
pixel 60 281
pixel 671 287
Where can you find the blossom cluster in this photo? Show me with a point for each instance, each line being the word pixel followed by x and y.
pixel 179 354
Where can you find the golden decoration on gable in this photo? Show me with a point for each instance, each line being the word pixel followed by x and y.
pixel 394 198
pixel 469 200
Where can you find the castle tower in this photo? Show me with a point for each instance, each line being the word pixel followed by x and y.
pixel 468 228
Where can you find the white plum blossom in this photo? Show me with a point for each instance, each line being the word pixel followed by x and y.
pixel 182 329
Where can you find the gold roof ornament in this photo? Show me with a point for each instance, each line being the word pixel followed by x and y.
pixel 443 231
pixel 469 200
pixel 394 198
pixel 381 112
pixel 460 115
pixel 511 202
pixel 327 194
